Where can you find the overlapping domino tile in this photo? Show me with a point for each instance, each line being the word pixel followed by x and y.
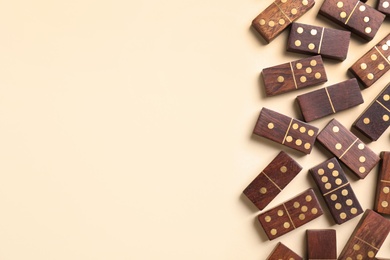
pixel 382 195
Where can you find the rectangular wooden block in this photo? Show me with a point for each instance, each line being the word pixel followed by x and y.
pixel 291 214
pixel 382 195
pixel 367 238
pixel 336 190
pixel 283 252
pixel 310 39
pixel 327 101
pixel 321 244
pixel 286 130
pixel 272 180
pixel 359 158
pixel 294 75
pixel 374 64
pixel 358 17
pixel 279 15
pixel 384 7
pixel 374 121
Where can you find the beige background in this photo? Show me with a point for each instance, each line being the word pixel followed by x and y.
pixel 125 130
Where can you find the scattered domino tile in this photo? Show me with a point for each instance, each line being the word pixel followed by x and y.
pixel 291 214
pixel 279 15
pixel 336 190
pixel 382 195
pixel 367 238
pixel 374 64
pixel 374 121
pixel 272 180
pixel 384 7
pixel 354 15
pixel 359 158
pixel 286 130
pixel 310 39
pixel 294 75
pixel 326 101
pixel 321 244
pixel 282 252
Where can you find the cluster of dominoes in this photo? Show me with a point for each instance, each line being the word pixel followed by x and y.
pixel 342 203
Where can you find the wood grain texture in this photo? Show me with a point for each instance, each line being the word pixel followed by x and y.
pixel 327 101
pixel 358 157
pixel 358 17
pixel 374 64
pixel 294 75
pixel 383 6
pixel 321 244
pixel 272 180
pixel 278 16
pixel 290 215
pixel 282 252
pixel 336 190
pixel 375 120
pixel 382 194
pixel 310 39
pixel 367 238
pixel 285 130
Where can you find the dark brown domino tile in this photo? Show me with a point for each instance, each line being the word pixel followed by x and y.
pixel 291 214
pixel 321 244
pixel 294 75
pixel 286 130
pixel 327 101
pixel 358 17
pixel 367 238
pixel 279 15
pixel 384 7
pixel 359 158
pixel 374 64
pixel 310 39
pixel 272 180
pixel 282 252
pixel 382 195
pixel 374 121
pixel 336 190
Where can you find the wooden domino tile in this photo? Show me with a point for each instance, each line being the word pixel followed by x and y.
pixel 374 121
pixel 282 252
pixel 321 244
pixel 384 7
pixel 279 15
pixel 310 39
pixel 336 190
pixel 272 180
pixel 367 238
pixel 291 214
pixel 358 17
pixel 294 75
pixel 327 101
pixel 286 130
pixel 374 64
pixel 359 158
pixel 382 195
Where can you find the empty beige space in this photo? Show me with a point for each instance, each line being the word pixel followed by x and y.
pixel 125 130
